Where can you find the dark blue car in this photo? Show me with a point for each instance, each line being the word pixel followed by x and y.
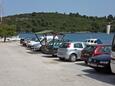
pixel 100 62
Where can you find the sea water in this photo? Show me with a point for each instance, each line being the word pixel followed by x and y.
pixel 105 38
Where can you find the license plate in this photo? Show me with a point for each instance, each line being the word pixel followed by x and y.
pixel 91 64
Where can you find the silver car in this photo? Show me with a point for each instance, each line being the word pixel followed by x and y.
pixel 70 51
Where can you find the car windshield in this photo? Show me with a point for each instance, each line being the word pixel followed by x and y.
pixel 89 48
pixel 56 42
pixel 64 45
pixel 98 41
pixel 106 49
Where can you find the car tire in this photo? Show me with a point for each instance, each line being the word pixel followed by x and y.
pixel 44 49
pixel 54 55
pixel 40 48
pixel 97 69
pixel 108 69
pixel 61 58
pixel 72 58
pixel 85 62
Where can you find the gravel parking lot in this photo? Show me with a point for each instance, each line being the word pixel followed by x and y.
pixel 20 66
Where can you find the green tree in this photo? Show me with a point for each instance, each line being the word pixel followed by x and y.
pixel 32 22
pixel 7 31
pixel 95 27
pixel 110 18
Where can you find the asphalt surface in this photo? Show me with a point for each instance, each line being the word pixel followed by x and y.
pixel 20 66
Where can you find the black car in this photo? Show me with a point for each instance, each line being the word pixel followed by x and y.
pixel 100 62
pixel 21 41
pixel 52 47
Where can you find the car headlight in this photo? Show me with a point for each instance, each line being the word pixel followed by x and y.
pixel 103 62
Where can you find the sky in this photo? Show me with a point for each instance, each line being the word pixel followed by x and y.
pixel 84 7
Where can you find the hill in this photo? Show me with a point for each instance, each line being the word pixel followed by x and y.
pixel 73 22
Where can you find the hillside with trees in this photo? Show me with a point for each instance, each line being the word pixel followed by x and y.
pixel 72 22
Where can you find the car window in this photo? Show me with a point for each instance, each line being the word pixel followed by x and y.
pixel 78 45
pixel 51 43
pixel 106 49
pixel 91 41
pixel 89 48
pixel 88 41
pixel 64 45
pixel 98 41
pixel 95 41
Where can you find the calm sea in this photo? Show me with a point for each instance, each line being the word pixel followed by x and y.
pixel 105 38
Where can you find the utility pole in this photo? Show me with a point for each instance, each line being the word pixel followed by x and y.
pixel 1 11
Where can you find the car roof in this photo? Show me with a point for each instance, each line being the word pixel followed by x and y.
pixel 99 45
pixel 75 42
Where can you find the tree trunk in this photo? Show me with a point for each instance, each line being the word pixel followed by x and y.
pixel 4 38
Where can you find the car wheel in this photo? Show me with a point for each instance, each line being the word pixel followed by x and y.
pixel 44 50
pixel 40 49
pixel 72 58
pixel 61 58
pixel 108 69
pixel 85 62
pixel 97 69
pixel 54 55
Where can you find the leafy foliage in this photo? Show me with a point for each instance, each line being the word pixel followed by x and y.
pixel 73 22
pixel 7 30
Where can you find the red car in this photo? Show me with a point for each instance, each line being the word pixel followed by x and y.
pixel 94 50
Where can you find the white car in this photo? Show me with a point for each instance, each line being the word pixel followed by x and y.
pixel 112 63
pixel 32 43
pixel 93 41
pixel 35 41
pixel 37 46
pixel 70 51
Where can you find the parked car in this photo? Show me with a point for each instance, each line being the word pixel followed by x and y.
pixel 31 43
pixel 94 50
pixel 113 56
pixel 24 41
pixel 93 41
pixel 37 46
pixel 70 51
pixel 100 62
pixel 21 41
pixel 53 46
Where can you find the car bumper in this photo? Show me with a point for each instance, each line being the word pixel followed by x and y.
pixel 84 58
pixel 36 47
pixel 97 65
pixel 63 55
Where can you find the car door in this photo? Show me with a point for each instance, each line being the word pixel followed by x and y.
pixel 78 48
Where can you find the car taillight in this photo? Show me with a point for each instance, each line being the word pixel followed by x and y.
pixel 112 58
pixel 68 45
pixel 96 52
